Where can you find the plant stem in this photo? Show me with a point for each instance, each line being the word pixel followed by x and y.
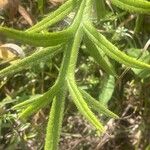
pixel 55 121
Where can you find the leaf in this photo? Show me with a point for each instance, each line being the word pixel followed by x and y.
pixel 111 50
pixel 40 102
pixel 107 90
pixel 26 103
pixel 138 6
pixel 143 56
pixel 40 5
pixel 99 56
pixel 55 16
pixel 82 106
pixel 30 60
pixel 100 5
pixel 37 39
pixel 96 105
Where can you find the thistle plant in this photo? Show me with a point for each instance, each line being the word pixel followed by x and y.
pixel 68 41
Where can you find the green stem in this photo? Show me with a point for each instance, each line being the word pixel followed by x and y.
pixel 55 121
pixel 71 50
pixel 68 64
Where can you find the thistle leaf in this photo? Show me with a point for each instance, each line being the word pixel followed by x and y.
pixel 138 6
pixel 30 60
pixel 40 102
pixel 37 39
pixel 55 16
pixel 111 50
pixel 96 105
pixel 82 106
pixel 99 56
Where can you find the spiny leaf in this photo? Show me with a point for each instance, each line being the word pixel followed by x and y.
pixel 30 60
pixel 138 3
pixel 110 49
pixel 99 56
pixel 55 16
pixel 40 102
pixel 82 105
pixel 37 39
pixel 27 102
pixel 75 44
pixel 79 17
pixel 138 6
pixel 96 105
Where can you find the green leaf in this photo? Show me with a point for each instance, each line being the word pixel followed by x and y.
pixel 55 16
pixel 107 90
pixel 37 39
pixel 138 6
pixel 41 5
pixel 96 105
pixel 139 24
pixel 27 102
pixel 30 60
pixel 39 103
pixel 82 105
pixel 99 56
pixel 100 9
pixel 143 56
pixel 111 50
